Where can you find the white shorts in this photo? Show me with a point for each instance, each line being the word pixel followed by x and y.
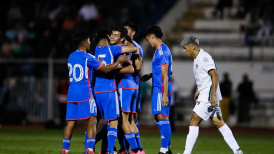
pixel 205 110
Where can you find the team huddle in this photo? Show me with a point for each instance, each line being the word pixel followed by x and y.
pixel 106 85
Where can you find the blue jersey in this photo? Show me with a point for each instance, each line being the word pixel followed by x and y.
pixel 125 81
pixel 162 56
pixel 136 76
pixel 80 65
pixel 106 82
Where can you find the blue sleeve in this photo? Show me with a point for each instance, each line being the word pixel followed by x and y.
pixel 163 56
pixel 141 51
pixel 92 62
pixel 116 50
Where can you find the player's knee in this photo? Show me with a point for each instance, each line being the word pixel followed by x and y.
pixel 194 121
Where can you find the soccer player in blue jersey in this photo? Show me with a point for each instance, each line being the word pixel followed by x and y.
pixel 81 104
pixel 105 86
pixel 161 84
pixel 127 90
pixel 137 63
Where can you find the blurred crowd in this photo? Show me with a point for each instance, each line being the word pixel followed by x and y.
pixel 44 28
pixel 257 15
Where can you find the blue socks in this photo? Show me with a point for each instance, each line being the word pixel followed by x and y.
pixel 137 125
pixel 112 135
pixel 90 143
pixel 131 140
pixel 137 135
pixel 66 143
pixel 165 132
pixel 86 137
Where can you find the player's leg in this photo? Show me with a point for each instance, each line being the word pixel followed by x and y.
pixel 161 117
pixel 133 119
pixel 201 111
pixel 124 146
pixel 88 111
pixel 112 135
pixel 136 131
pixel 126 97
pixel 217 120
pixel 193 133
pixel 111 112
pixel 71 117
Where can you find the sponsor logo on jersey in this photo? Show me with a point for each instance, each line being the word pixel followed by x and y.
pixel 205 60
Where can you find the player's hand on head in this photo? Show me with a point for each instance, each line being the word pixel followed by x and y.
pixel 213 101
pixel 146 77
pixel 123 59
pixel 165 101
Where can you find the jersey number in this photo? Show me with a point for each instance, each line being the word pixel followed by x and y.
pixel 72 70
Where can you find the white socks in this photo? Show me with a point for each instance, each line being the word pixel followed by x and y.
pixel 163 150
pixel 229 138
pixel 191 139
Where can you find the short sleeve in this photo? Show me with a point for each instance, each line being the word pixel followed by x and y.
pixel 208 63
pixel 141 51
pixel 163 57
pixel 116 50
pixel 92 62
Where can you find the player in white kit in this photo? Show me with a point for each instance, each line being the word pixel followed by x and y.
pixel 207 96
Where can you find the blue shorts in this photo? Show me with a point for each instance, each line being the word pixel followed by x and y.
pixel 81 111
pixel 127 98
pixel 108 105
pixel 157 106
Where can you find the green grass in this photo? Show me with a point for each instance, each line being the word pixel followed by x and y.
pixel 50 142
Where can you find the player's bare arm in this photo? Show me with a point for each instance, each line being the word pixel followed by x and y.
pixel 113 66
pixel 196 95
pixel 214 78
pixel 128 49
pixel 164 70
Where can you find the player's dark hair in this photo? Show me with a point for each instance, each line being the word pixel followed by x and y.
pixel 122 30
pixel 104 32
pixel 131 25
pixel 153 29
pixel 100 37
pixel 79 38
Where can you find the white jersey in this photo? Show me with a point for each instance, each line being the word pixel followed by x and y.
pixel 202 64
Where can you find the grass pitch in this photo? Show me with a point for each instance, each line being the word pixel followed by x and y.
pixel 13 141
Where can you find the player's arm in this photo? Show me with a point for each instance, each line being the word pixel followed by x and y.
pixel 196 95
pixel 146 77
pixel 113 66
pixel 127 69
pixel 138 60
pixel 128 49
pixel 164 70
pixel 214 78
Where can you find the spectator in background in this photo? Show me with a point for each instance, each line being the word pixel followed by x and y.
pixel 175 90
pixel 62 91
pixel 221 5
pixel 88 11
pixel 6 50
pixel 251 25
pixel 89 14
pixel 246 97
pixel 225 87
pixel 263 35
pixel 14 12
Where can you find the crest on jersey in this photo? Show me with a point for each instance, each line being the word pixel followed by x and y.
pixel 210 109
pixel 205 60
